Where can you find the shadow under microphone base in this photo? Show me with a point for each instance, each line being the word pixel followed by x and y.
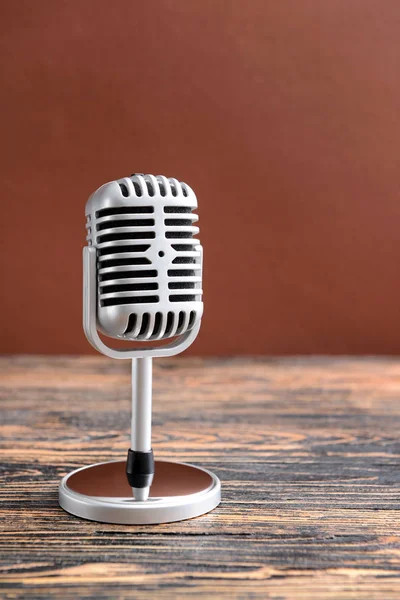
pixel 101 493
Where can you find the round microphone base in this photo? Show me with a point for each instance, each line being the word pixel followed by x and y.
pixel 101 493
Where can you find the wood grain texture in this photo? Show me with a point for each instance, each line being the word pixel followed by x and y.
pixel 307 451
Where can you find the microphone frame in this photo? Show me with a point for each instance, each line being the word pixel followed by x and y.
pixel 182 342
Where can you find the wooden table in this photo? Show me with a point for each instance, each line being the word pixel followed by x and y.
pixel 307 450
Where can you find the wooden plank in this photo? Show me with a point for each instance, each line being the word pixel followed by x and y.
pixel 307 451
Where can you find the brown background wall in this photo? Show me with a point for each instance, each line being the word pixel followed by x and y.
pixel 283 116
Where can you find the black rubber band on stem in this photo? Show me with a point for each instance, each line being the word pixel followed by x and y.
pixel 140 468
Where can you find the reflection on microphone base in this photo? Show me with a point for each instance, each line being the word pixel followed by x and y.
pixel 101 493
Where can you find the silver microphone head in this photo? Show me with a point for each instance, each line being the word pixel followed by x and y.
pixel 149 265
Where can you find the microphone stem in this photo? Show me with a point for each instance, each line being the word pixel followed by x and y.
pixel 141 404
pixel 140 464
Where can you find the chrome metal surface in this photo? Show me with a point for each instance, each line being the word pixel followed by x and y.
pixel 101 493
pixel 149 264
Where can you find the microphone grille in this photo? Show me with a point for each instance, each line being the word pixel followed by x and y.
pixel 149 263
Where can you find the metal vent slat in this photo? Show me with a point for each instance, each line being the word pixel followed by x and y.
pixel 123 252
pixel 122 294
pixel 158 326
pixel 119 286
pixel 138 224
pixel 185 316
pixel 114 237
pixel 126 278
pixel 188 230
pixel 134 325
pixel 117 300
pixel 123 263
pixel 134 277
pixel 185 292
pixel 174 324
pixel 117 244
pixel 178 216
pixel 146 326
pixel 129 267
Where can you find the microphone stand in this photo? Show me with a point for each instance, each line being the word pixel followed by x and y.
pixel 140 463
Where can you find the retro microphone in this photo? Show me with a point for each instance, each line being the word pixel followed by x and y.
pixel 142 273
pixel 142 283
